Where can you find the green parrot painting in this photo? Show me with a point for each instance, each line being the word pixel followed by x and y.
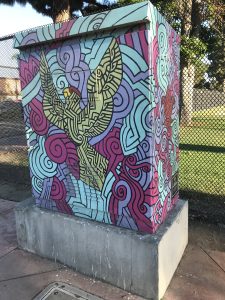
pixel 82 124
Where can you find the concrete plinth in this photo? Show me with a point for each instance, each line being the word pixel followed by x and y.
pixel 139 263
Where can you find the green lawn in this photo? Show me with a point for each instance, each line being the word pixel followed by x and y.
pixel 204 171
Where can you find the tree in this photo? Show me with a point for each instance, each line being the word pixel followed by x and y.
pixel 215 40
pixel 61 10
pixel 201 26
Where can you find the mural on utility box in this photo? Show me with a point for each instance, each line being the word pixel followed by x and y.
pixel 102 123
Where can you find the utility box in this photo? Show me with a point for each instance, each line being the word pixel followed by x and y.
pixel 101 108
pixel 101 102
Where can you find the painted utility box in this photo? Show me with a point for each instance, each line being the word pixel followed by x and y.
pixel 101 101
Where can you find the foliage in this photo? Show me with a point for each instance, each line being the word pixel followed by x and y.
pixel 52 8
pixel 201 25
pixel 193 49
pixel 201 71
pixel 215 42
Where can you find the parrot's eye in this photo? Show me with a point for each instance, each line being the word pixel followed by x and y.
pixel 66 93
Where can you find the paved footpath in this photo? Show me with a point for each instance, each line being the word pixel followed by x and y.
pixel 200 275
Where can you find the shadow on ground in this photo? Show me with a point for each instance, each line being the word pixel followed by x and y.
pixel 206 208
pixel 14 182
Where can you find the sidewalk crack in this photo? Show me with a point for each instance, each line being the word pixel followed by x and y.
pixel 212 259
pixel 4 255
pixel 29 275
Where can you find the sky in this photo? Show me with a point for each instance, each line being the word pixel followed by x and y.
pixel 16 18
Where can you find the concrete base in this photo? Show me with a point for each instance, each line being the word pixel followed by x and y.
pixel 139 263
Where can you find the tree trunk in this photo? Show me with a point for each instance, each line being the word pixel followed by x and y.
pixel 187 69
pixel 187 80
pixel 62 16
pixel 61 11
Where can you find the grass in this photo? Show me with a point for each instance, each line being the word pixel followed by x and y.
pixel 204 171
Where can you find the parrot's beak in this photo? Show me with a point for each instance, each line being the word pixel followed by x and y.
pixel 67 92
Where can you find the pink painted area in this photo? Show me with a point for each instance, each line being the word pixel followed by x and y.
pixel 144 45
pixel 175 200
pixel 129 41
pixel 38 121
pixel 110 148
pixel 28 69
pixel 65 29
pixel 155 55
pixel 58 194
pixel 60 149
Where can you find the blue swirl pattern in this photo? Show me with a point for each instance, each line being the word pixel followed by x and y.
pixel 40 164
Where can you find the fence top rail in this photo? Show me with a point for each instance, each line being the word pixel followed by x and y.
pixel 6 37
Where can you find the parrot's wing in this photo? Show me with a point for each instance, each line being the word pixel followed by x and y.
pixel 52 105
pixel 102 86
pixel 106 78
pixel 72 114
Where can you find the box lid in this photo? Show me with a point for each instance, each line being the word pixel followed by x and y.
pixel 110 19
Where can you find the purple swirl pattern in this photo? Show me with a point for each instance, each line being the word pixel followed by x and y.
pixel 70 59
pixel 60 149
pixel 110 148
pixel 58 194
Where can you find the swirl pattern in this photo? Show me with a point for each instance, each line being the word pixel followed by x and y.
pixel 60 149
pixel 58 191
pixel 38 121
pixel 41 165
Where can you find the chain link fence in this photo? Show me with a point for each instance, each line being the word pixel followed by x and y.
pixel 13 147
pixel 202 124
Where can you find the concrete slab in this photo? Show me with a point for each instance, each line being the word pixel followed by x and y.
pixel 136 262
pixel 204 267
pixel 183 288
pixel 197 278
pixel 8 240
pixel 7 227
pixel 207 236
pixel 23 264
pixel 5 248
